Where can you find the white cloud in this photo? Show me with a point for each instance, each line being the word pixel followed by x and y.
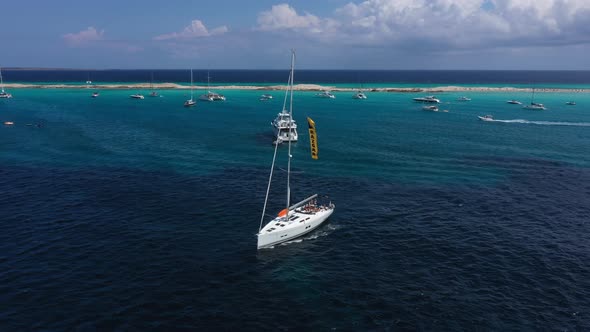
pixel 92 38
pixel 83 37
pixel 440 24
pixel 283 16
pixel 195 30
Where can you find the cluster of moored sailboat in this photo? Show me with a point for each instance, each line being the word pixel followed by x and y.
pixel 208 96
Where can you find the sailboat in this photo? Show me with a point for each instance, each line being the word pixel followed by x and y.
pixel 210 95
pixel 3 94
pixel 190 102
pixel 154 93
pixel 300 218
pixel 534 106
pixel 359 94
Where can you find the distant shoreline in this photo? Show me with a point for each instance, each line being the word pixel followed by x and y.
pixel 298 87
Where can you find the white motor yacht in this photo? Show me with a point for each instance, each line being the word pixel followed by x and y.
pixel 427 99
pixel 463 99
pixel 137 96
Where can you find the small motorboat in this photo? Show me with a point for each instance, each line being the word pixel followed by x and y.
pixel 430 108
pixel 514 102
pixel 265 97
pixel 95 94
pixel 8 123
pixel 137 96
pixel 570 103
pixel 463 99
pixel 486 118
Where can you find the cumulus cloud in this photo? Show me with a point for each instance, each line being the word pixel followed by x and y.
pixel 83 37
pixel 93 38
pixel 454 24
pixel 285 17
pixel 195 30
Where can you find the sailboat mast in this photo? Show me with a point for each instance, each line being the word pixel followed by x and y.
pixel 191 84
pixel 290 132
pixel 1 81
pixel 208 82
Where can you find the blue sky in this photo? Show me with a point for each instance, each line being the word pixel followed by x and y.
pixel 327 34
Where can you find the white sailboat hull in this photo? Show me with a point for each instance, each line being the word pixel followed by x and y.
pixel 280 230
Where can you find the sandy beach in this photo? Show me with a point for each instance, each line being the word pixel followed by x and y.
pixel 298 87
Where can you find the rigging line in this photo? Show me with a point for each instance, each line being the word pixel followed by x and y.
pixel 273 164
pixel 290 132
pixel 274 157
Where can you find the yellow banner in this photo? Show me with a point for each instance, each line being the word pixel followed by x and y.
pixel 313 138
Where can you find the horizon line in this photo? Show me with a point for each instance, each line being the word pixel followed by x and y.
pixel 271 69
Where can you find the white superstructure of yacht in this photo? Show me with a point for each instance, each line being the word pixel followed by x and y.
pixel 285 128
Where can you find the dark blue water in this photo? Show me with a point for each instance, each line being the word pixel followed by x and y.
pixel 119 214
pixel 306 76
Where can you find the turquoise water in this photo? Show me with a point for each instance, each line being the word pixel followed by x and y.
pixel 386 136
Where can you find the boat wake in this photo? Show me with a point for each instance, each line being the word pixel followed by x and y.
pixel 544 123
